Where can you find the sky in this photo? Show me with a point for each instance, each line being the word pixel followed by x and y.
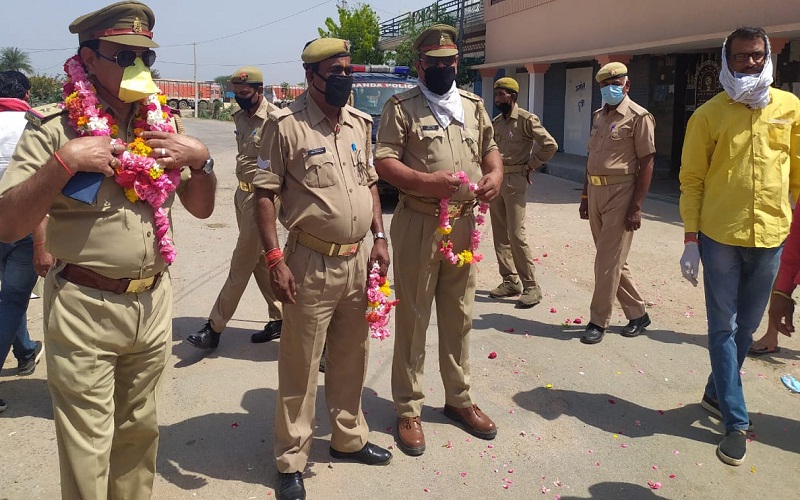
pixel 229 34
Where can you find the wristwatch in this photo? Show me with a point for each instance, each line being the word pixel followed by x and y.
pixel 380 235
pixel 207 167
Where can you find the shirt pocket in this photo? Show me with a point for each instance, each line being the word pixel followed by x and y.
pixel 433 142
pixel 780 135
pixel 252 145
pixel 320 170
pixel 621 133
pixel 470 140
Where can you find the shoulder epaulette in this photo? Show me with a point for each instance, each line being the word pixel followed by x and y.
pixel 470 95
pixel 280 114
pixel 357 112
pixel 41 114
pixel 236 112
pixel 408 94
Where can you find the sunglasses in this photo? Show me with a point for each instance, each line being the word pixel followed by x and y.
pixel 434 61
pixel 125 58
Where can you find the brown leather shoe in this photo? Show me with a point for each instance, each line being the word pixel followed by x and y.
pixel 410 438
pixel 474 420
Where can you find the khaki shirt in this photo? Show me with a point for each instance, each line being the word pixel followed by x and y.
pixel 516 134
pixel 249 134
pixel 619 137
pixel 409 132
pixel 321 173
pixel 112 236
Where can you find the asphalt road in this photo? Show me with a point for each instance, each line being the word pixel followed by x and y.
pixel 620 419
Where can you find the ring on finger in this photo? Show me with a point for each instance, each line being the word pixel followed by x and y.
pixel 163 152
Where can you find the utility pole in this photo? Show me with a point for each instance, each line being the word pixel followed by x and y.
pixel 196 96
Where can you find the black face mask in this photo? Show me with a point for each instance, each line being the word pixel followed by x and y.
pixel 246 103
pixel 337 89
pixel 439 80
pixel 504 107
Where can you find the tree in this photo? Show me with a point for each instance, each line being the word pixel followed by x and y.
pixel 12 58
pixel 155 74
pixel 286 92
pixel 360 26
pixel 222 80
pixel 45 89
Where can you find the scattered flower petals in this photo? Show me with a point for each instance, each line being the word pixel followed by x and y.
pixel 612 402
pixel 463 474
pixel 577 321
pixel 426 490
pixel 553 310
pixel 623 445
pixel 548 386
pixel 672 476
pixel 653 486
pixel 234 425
pixel 655 467
pixel 509 330
pixel 492 355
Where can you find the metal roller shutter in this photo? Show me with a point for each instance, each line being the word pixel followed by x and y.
pixel 555 81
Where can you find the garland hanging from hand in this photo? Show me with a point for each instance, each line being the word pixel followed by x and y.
pixel 469 255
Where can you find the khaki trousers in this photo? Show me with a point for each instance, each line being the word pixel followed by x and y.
pixel 421 275
pixel 608 207
pixel 514 256
pixel 247 260
pixel 331 302
pixel 105 356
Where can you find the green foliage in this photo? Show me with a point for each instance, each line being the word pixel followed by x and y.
pixel 45 89
pixel 222 80
pixel 360 26
pixel 13 58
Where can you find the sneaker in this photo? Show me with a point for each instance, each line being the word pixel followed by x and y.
pixel 713 408
pixel 28 366
pixel 506 289
pixel 531 296
pixel 3 406
pixel 733 447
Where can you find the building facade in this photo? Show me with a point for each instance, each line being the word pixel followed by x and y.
pixel 672 49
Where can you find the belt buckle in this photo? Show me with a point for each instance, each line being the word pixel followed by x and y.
pixel 596 180
pixel 139 286
pixel 352 250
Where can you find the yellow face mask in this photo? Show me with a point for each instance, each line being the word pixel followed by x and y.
pixel 137 83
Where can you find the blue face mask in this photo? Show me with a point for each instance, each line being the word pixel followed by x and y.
pixel 739 76
pixel 612 94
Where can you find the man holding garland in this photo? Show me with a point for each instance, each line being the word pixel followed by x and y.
pixel 435 143
pixel 105 168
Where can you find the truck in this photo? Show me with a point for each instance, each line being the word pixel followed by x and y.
pixel 180 93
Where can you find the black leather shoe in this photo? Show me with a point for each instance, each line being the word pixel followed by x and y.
pixel 292 486
pixel 635 326
pixel 271 331
pixel 206 338
pixel 370 454
pixel 594 334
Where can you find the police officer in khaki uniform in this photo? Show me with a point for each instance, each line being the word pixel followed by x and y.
pixel 426 135
pixel 618 173
pixel 315 157
pixel 516 132
pixel 248 256
pixel 108 298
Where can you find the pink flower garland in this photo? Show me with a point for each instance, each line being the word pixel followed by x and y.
pixel 467 256
pixel 378 304
pixel 140 175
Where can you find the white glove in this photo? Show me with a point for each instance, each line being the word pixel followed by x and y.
pixel 690 262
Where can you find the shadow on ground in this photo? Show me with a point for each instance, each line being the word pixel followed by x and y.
pixel 619 416
pixel 26 397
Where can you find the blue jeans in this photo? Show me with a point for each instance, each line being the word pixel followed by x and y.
pixel 738 282
pixel 17 279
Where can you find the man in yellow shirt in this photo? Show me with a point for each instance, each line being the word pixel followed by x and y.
pixel 741 158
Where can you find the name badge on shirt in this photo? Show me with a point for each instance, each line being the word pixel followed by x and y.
pixel 315 151
pixel 430 127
